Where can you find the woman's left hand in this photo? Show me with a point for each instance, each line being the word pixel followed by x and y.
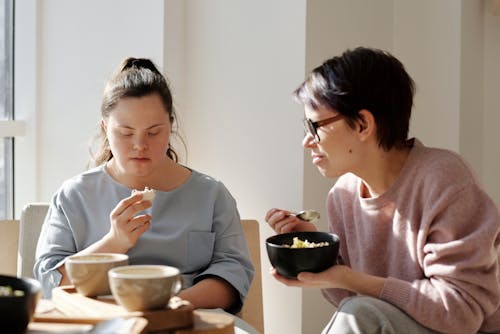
pixel 337 277
pixel 333 277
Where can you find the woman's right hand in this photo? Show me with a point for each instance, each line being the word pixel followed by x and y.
pixel 127 225
pixel 282 221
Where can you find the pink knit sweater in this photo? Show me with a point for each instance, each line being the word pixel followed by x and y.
pixel 434 235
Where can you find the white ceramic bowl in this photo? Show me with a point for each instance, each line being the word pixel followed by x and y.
pixel 89 272
pixel 144 287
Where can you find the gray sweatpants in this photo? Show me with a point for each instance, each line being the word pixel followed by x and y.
pixel 367 315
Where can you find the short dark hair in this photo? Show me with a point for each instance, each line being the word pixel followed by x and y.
pixel 364 78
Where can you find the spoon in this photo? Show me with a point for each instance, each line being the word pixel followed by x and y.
pixel 307 215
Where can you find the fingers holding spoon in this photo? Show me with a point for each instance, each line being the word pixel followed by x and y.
pixel 306 215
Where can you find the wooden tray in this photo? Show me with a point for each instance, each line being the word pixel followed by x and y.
pixel 138 327
pixel 73 307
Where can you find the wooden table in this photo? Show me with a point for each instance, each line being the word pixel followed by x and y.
pixel 204 323
pixel 70 311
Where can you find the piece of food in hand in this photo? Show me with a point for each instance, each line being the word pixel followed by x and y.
pixel 147 194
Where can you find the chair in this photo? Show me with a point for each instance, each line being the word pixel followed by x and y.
pixel 32 218
pixel 8 245
pixel 252 311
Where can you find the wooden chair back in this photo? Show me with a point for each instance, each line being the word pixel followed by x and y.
pixel 252 311
pixel 9 234
pixel 32 218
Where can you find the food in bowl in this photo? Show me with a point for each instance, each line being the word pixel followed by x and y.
pixel 147 194
pixel 17 302
pixel 8 291
pixel 297 243
pixel 290 261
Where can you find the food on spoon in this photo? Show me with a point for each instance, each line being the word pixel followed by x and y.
pixel 147 194
pixel 297 243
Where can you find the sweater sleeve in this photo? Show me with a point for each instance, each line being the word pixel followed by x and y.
pixel 458 247
pixel 230 258
pixel 335 218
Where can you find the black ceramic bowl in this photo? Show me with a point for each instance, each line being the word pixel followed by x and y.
pixel 291 261
pixel 17 311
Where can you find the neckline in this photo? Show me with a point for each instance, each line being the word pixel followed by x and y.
pixel 387 197
pixel 158 191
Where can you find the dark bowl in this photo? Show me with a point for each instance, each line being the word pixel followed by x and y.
pixel 17 311
pixel 289 262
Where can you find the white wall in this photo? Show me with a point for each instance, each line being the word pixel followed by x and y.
pixel 78 45
pixel 233 65
pixel 451 49
pixel 241 61
pixel 332 27
pixel 426 39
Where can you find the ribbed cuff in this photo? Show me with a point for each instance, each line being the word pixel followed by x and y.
pixel 396 292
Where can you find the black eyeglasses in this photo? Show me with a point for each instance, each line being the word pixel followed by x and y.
pixel 312 127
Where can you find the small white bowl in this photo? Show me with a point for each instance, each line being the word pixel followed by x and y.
pixel 89 272
pixel 144 287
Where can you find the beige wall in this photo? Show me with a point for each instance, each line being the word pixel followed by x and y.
pixel 233 65
pixel 491 103
pixel 332 27
pixel 240 62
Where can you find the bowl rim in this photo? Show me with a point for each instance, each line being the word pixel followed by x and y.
pixel 34 286
pixel 167 271
pixel 80 258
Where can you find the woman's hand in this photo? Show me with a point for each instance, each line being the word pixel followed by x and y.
pixel 339 277
pixel 282 221
pixel 333 277
pixel 126 227
pixel 126 224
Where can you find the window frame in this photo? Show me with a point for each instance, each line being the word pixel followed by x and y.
pixel 9 128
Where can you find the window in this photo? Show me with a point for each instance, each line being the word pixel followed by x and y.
pixel 6 109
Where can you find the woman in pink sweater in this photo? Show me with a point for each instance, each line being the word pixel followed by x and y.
pixel 419 236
